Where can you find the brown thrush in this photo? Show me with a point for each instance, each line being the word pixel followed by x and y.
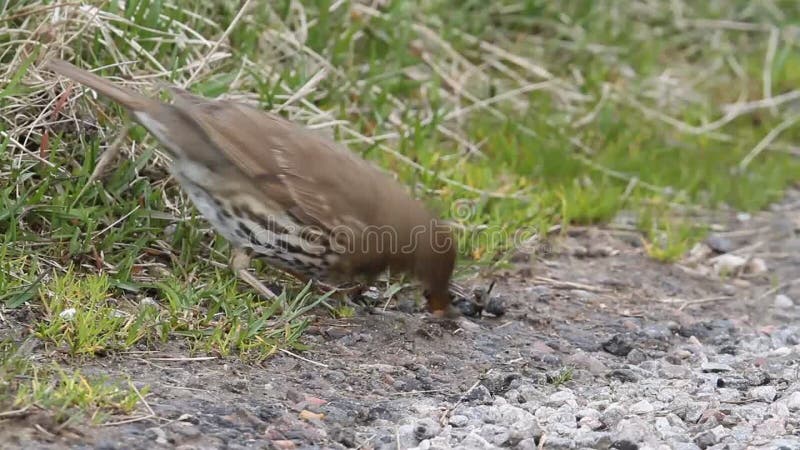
pixel 284 193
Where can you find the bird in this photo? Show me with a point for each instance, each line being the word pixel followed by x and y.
pixel 281 192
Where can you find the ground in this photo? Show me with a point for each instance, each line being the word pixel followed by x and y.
pixel 592 324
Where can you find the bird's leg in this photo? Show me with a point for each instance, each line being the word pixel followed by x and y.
pixel 240 261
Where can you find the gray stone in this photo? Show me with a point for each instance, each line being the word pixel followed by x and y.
pixel 591 423
pixel 586 361
pixel 680 445
pixel 663 427
pixel 694 411
pixel 612 415
pixel 437 443
pixel 158 434
pixel 784 443
pixel 779 409
pixel 619 344
pixel 524 429
pixel 495 434
pixel 623 375
pixel 742 432
pixel 406 437
pixel 563 397
pixel 720 244
pixel 458 420
pixel 764 393
pixel 631 429
pixel 712 367
pixel 565 418
pixel 558 443
pixel 624 444
pixel 527 444
pixel 636 356
pixel 771 427
pixel 480 394
pixel 593 439
pixel 472 441
pixel 711 437
pixel 729 395
pixel 676 421
pixel 642 407
pixel 544 413
pixel 511 414
pixel 793 401
pixel 587 412
pixel 783 302
pixel 426 428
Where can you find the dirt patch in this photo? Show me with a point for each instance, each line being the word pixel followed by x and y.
pixel 577 323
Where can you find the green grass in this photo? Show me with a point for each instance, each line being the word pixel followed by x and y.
pixel 71 396
pixel 507 117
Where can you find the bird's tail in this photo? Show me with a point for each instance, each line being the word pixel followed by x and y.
pixel 126 97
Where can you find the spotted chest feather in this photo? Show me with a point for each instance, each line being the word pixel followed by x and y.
pixel 271 235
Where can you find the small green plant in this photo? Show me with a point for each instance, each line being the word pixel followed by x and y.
pixel 560 377
pixel 79 314
pixel 667 238
pixel 70 395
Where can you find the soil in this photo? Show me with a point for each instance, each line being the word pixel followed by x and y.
pixel 587 304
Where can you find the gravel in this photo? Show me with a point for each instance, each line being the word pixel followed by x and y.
pixel 655 404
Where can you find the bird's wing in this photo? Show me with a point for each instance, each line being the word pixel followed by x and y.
pixel 314 178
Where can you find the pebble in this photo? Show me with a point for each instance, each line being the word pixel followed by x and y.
pixel 558 443
pixel 495 434
pixel 624 444
pixel 783 302
pixel 764 393
pixel 496 306
pixel 458 420
pixel 619 344
pixel 523 429
pixel 710 367
pixel 480 394
pixel 636 356
pixel 159 435
pixel 474 440
pixel 673 371
pixel 642 407
pixel 147 302
pixel 694 411
pixel 68 314
pixel 559 398
pixel 727 264
pixel 775 426
pixel 426 428
pixel 587 412
pixel 793 401
pixel 632 429
pixel 593 439
pixel 623 375
pixel 612 415
pixel 591 423
pixel 711 437
pixel 720 244
pixel 680 445
pixel 756 266
pixel 586 361
pixel 527 444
